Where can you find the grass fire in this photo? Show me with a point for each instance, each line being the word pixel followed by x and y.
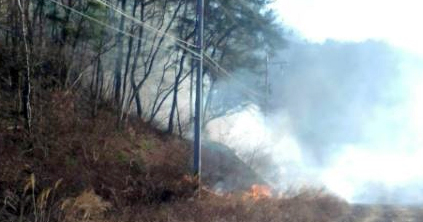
pixel 210 111
pixel 258 192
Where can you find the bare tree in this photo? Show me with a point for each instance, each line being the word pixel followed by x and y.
pixel 27 87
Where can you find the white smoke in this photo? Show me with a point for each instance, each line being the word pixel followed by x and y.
pixel 347 116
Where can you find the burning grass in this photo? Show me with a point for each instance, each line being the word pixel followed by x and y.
pixel 258 192
pixel 78 168
pixel 234 208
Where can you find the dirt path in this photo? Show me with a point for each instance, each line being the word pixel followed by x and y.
pixel 384 213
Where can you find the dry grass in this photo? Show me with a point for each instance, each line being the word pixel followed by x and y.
pixel 137 174
pixel 235 208
pixel 87 206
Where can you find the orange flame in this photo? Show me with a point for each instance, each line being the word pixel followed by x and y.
pixel 258 192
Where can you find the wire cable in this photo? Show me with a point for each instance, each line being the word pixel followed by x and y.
pixel 218 67
pixel 145 25
pixel 177 41
pixel 195 54
pixel 212 64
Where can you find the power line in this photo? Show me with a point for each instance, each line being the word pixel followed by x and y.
pixel 176 40
pixel 145 25
pixel 213 64
pixel 220 69
pixel 116 29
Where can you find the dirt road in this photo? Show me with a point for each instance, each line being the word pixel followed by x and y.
pixel 385 213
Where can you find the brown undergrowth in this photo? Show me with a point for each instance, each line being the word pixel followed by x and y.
pixel 76 167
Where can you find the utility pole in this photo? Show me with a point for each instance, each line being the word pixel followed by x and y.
pixel 198 91
pixel 267 83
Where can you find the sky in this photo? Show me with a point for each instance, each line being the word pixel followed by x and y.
pixel 348 106
pixel 395 21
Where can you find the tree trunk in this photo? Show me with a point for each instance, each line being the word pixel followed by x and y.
pixel 175 92
pixel 119 61
pixel 128 59
pixel 149 60
pixel 27 86
pixel 135 64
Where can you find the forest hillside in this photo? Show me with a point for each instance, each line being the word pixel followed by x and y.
pixel 96 108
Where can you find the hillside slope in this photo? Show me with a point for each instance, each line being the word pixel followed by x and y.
pixel 223 170
pixel 76 167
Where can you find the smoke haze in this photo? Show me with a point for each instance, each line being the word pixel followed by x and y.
pixel 344 115
pixel 330 90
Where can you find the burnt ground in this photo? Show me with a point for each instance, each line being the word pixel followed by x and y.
pixel 384 213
